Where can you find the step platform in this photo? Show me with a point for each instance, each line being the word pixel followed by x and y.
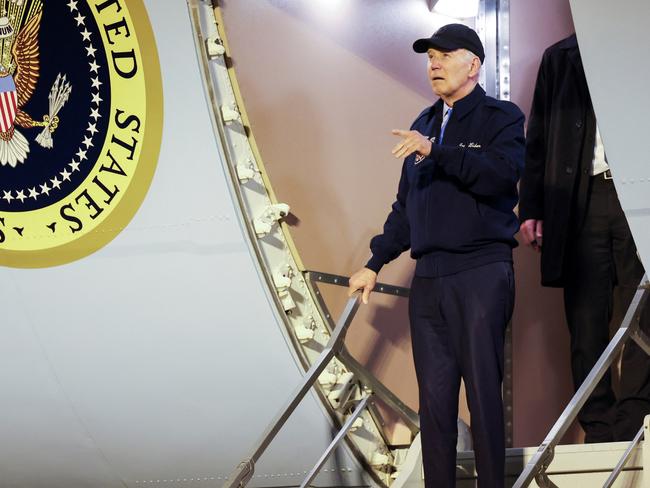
pixel 574 466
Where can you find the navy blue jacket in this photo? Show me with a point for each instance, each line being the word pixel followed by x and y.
pixel 454 208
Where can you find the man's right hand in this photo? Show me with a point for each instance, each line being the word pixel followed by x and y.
pixel 531 233
pixel 365 280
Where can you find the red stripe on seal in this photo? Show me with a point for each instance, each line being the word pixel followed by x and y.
pixel 11 114
pixel 13 104
pixel 4 119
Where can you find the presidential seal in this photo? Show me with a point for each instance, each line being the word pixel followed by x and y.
pixel 80 125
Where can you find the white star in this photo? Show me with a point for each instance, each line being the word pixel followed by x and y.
pixel 92 128
pixel 73 5
pixel 91 50
pixel 94 113
pixel 45 189
pixel 88 142
pixel 80 19
pixel 74 166
pixel 96 83
pixel 81 154
pixel 7 196
pixel 20 196
pixel 94 66
pixel 96 98
pixel 33 193
pixel 86 34
pixel 55 182
pixel 65 175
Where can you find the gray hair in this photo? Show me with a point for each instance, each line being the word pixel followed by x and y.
pixel 469 55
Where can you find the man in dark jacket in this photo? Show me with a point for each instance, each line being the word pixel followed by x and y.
pixel 454 210
pixel 570 212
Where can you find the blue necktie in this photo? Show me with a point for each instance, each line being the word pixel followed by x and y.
pixel 445 119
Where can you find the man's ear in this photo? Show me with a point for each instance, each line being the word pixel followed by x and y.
pixel 475 67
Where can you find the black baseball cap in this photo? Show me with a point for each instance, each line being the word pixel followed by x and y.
pixel 451 37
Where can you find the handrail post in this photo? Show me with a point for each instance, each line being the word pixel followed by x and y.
pixel 624 459
pixel 541 478
pixel 244 472
pixel 336 441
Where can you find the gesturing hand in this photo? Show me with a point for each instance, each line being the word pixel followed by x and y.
pixel 412 141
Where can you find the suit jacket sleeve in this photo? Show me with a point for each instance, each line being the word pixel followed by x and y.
pixel 396 237
pixel 531 191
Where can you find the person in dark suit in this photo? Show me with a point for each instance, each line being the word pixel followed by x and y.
pixel 569 211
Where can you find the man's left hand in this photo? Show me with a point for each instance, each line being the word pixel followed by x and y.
pixel 412 141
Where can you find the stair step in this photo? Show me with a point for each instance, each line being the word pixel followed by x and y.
pixel 574 466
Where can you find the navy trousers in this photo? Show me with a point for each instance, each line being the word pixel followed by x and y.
pixel 458 326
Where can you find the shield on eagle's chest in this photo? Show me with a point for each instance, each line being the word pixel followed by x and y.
pixel 8 103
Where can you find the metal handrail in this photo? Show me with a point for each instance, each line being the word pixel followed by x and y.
pixel 624 459
pixel 339 280
pixel 408 415
pixel 244 472
pixel 337 440
pixel 536 467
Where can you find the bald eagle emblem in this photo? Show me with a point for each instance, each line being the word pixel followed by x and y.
pixel 19 73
